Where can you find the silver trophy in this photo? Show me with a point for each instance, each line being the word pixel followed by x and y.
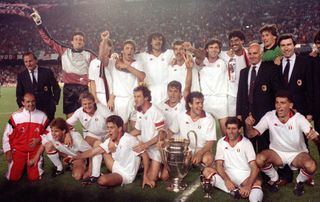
pixel 176 156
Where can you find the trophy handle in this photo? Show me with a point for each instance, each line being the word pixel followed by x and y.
pixel 195 137
pixel 162 135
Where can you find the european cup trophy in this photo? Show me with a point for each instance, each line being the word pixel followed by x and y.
pixel 176 156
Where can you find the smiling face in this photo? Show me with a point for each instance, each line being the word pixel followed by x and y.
pixel 233 132
pixel 156 43
pixel 287 47
pixel 236 44
pixel 58 134
pixel 77 42
pixel 29 102
pixel 88 105
pixel 283 107
pixel 196 107
pixel 30 62
pixel 268 39
pixel 254 54
pixel 213 51
pixel 179 51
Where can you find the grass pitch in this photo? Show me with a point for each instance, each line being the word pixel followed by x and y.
pixel 65 188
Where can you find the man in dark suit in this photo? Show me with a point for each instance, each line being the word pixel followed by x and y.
pixel 40 82
pixel 258 84
pixel 296 75
pixel 316 84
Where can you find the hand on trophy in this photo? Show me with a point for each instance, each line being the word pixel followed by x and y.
pixel 36 17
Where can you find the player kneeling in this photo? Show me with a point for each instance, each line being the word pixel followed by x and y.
pixel 118 155
pixel 54 145
pixel 287 144
pixel 236 166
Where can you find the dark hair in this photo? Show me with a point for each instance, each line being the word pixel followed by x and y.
pixel 30 53
pixel 116 120
pixel 237 33
pixel 286 36
pixel 191 96
pixel 175 84
pixel 317 37
pixel 59 123
pixel 233 120
pixel 272 28
pixel 131 42
pixel 211 42
pixel 152 36
pixel 145 91
pixel 284 94
pixel 177 42
pixel 86 95
pixel 80 33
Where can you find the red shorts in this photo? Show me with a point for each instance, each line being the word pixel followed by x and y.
pixel 18 163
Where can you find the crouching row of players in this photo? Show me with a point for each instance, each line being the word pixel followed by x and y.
pixel 236 166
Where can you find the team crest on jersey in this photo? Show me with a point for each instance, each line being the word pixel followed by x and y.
pixel 37 130
pixel 96 119
pixel 264 88
pixel 199 127
pixel 299 82
pixel 290 127
pixel 275 124
pixel 218 65
pixel 45 88
pixel 187 122
pixel 166 109
pixel 162 59
pixel 238 150
pixel 22 130
pixel 150 59
pixel 226 148
pixel 85 119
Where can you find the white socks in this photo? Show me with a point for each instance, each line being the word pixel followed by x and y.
pixel 303 176
pixel 54 158
pixel 271 172
pixel 256 194
pixel 96 165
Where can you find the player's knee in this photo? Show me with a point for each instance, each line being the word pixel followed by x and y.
pixel 102 181
pixel 77 176
pixel 260 159
pixel 310 166
pixel 164 175
pixel 49 148
pixel 207 160
pixel 208 171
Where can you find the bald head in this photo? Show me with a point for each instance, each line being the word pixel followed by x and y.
pixel 254 53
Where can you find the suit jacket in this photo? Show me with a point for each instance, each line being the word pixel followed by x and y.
pixel 301 85
pixel 48 93
pixel 316 86
pixel 266 85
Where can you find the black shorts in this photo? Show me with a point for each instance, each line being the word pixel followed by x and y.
pixel 71 93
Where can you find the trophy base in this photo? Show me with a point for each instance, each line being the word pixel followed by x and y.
pixel 177 187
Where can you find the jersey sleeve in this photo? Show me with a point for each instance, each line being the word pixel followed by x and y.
pixel 7 132
pixel 56 46
pixel 92 71
pixel 74 118
pixel 304 124
pixel 159 121
pixel 249 151
pixel 262 125
pixel 219 151
pixel 211 130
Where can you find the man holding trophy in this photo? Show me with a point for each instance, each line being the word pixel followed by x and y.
pixel 236 168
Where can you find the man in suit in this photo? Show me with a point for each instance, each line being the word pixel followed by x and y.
pixel 258 84
pixel 40 82
pixel 296 75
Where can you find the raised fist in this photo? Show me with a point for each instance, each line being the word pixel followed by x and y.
pixel 105 35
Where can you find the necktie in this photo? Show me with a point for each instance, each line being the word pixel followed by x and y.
pixel 252 80
pixel 286 73
pixel 34 81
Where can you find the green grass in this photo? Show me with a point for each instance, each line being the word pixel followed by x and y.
pixel 65 188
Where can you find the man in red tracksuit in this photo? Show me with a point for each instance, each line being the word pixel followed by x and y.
pixel 21 140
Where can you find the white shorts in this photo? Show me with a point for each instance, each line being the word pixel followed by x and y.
pixel 154 153
pixel 232 106
pixel 288 157
pixel 217 106
pixel 236 176
pixel 117 168
pixel 102 98
pixel 124 107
